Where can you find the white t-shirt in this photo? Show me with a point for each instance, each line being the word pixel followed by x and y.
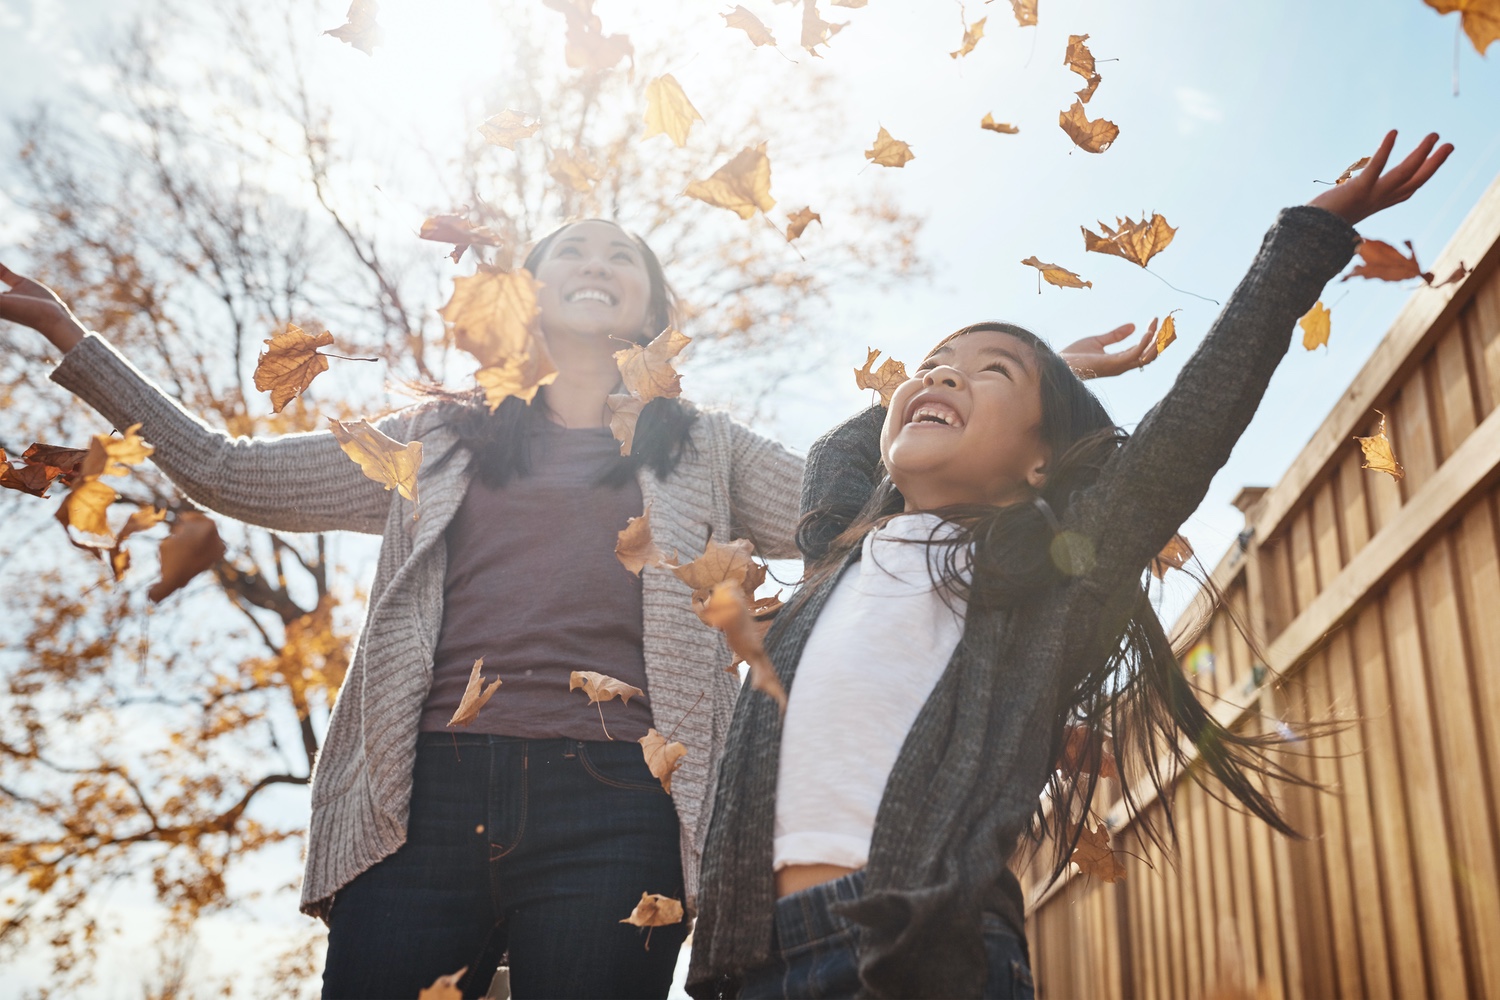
pixel 882 641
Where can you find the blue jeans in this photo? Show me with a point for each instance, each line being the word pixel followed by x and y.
pixel 535 848
pixel 815 954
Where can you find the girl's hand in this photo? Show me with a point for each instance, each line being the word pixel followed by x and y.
pixel 31 303
pixel 1374 188
pixel 1088 359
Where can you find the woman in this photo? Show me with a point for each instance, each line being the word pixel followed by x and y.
pixel 529 832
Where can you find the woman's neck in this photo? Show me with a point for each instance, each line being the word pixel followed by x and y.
pixel 577 397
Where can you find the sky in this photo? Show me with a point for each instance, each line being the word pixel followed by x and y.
pixel 1227 113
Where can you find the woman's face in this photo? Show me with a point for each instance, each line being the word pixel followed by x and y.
pixel 594 285
pixel 966 427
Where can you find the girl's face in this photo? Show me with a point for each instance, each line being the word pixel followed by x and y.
pixel 594 285
pixel 966 427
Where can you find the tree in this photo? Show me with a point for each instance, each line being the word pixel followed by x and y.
pixel 191 210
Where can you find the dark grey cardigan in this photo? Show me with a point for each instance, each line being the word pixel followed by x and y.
pixel 970 772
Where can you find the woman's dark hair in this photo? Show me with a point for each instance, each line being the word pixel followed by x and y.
pixel 1136 695
pixel 500 443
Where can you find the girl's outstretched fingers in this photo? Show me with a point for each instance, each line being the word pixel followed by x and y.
pixel 1089 359
pixel 31 303
pixel 1375 188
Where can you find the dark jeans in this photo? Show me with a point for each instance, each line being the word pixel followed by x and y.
pixel 815 952
pixel 536 848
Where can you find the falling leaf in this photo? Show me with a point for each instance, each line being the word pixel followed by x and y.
pixel 1481 19
pixel 1385 263
pixel 68 461
pixel 719 563
pixel 624 412
pixel 1358 164
pixel 445 987
pixel 1459 273
pixel 727 610
pixel 1053 274
pixel 573 170
pixel 1025 11
pixel 602 687
pixel 1167 334
pixel 889 152
pixel 1091 136
pixel 815 30
pixel 662 757
pixel 1378 454
pixel 360 29
pixel 988 122
pixel 1082 747
pixel 588 47
pixel 1174 555
pixel 1137 242
pixel 491 314
pixel 634 546
pixel 387 461
pixel 508 128
pixel 456 229
pixel 884 379
pixel 1093 855
pixel 1315 327
pixel 191 546
pixel 647 370
pixel 289 364
pixel 85 507
pixel 28 478
pixel 799 220
pixel 743 185
pixel 668 110
pixel 519 375
pixel 751 25
pixel 654 910
pixel 476 694
pixel 113 456
pixel 139 520
pixel 972 34
pixel 1080 60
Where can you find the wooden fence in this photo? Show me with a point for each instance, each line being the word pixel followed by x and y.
pixel 1377 603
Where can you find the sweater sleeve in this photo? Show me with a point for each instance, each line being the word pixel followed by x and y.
pixel 1162 473
pixel 764 476
pixel 296 482
pixel 843 469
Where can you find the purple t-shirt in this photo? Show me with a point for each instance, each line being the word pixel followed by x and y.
pixel 534 587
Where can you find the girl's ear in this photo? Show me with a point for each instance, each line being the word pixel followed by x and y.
pixel 1036 477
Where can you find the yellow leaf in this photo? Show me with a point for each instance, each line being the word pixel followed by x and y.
pixel 662 757
pixel 1136 242
pixel 751 25
pixel 1091 136
pixel 602 687
pixel 1025 11
pixel 289 364
pixel 972 34
pixel 1080 60
pixel 654 910
pixel 1167 334
pixel 634 546
pixel 491 315
pixel 573 170
pixel 192 546
pixel 1378 454
pixel 1093 855
pixel 445 987
pixel 668 110
pixel 509 127
pixel 1481 19
pixel 798 221
pixel 647 370
pixel 1316 326
pixel 743 185
pixel 476 694
pixel 359 28
pixel 85 507
pixel 112 456
pixel 387 461
pixel 884 379
pixel 1054 274
pixel 889 152
pixel 624 411
pixel 1358 164
pixel 457 230
pixel 988 122
pixel 1174 556
pixel 727 610
pixel 519 375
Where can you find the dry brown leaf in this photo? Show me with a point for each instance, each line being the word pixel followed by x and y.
pixel 1080 60
pixel 519 375
pixel 1025 11
pixel 1379 457
pixel 1136 242
pixel 647 370
pixel 574 170
pixel 588 47
pixel 719 563
pixel 456 229
pixel 889 152
pixel 602 687
pixel 1384 262
pixel 751 25
pixel 662 757
pixel 113 456
pixel 1358 164
pixel 668 110
pixel 624 411
pixel 68 461
pixel 491 314
pixel 1090 136
pixel 988 122
pixel 972 34
pixel 884 379
pixel 728 610
pixel 1166 335
pixel 509 127
pixel 634 546
pixel 1481 19
pixel 1093 855
pixel 85 507
pixel 654 910
pixel 476 694
pixel 1174 556
pixel 191 546
pixel 798 221
pixel 290 362
pixel 743 185
pixel 1055 274
pixel 1459 273
pixel 815 30
pixel 387 461
pixel 1081 747
pixel 1316 326
pixel 28 478
pixel 359 28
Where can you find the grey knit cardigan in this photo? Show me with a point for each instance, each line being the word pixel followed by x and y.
pixel 734 483
pixel 975 761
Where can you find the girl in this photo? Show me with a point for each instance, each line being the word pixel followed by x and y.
pixel 988 590
pixel 529 832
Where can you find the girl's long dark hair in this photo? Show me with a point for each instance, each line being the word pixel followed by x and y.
pixel 1135 696
pixel 500 444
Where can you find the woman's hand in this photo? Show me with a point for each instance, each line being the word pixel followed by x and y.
pixel 1088 358
pixel 31 303
pixel 1374 188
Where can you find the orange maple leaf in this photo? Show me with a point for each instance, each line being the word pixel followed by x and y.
pixel 727 610
pixel 384 459
pixel 602 687
pixel 1080 60
pixel 32 478
pixel 655 911
pixel 647 369
pixel 1025 11
pixel 1090 136
pixel 1379 456
pixel 1136 242
pixel 191 546
pixel 1316 326
pixel 972 34
pixel 509 127
pixel 1166 336
pixel 1481 19
pixel 359 28
pixel 662 757
pixel 519 375
pixel 1384 262
pixel 492 314
pixel 743 185
pixel 719 563
pixel 884 379
pixel 86 506
pixel 668 110
pixel 1055 274
pixel 889 152
pixel 68 461
pixel 1093 855
pixel 476 694
pixel 113 456
pixel 634 546
pixel 798 221
pixel 1174 555
pixel 457 230
pixel 289 364
pixel 988 122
